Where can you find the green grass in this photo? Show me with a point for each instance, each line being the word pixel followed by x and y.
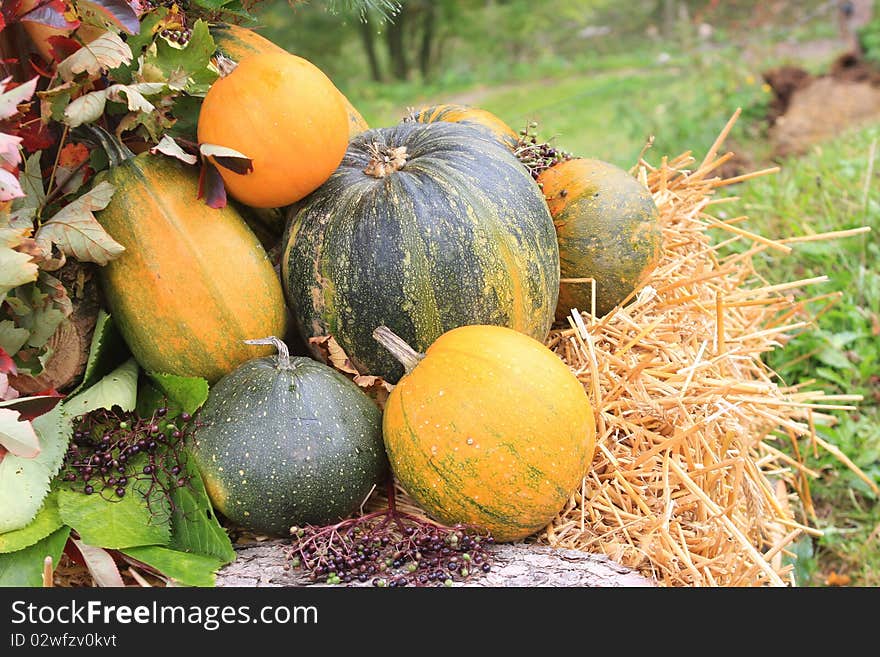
pixel 829 189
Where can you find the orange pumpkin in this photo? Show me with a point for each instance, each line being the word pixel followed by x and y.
pixel 473 116
pixel 285 114
pixel 488 428
pixel 237 42
pixel 608 228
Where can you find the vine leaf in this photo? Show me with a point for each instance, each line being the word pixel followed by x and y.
pixel 9 149
pixel 50 13
pixel 227 158
pixel 76 231
pixel 46 521
pixel 9 186
pixel 106 52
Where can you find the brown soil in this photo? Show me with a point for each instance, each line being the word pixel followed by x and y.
pixel 807 109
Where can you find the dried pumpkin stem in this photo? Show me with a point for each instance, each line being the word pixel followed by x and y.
pixel 405 355
pixel 283 352
pixel 385 159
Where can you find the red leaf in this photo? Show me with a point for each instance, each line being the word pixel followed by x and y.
pixel 31 407
pixel 35 135
pixel 8 10
pixel 62 47
pixel 7 365
pixel 72 155
pixel 49 13
pixel 211 186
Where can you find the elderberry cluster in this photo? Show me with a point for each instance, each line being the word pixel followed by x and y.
pixel 537 156
pixel 110 450
pixel 390 548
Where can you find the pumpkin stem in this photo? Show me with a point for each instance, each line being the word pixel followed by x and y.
pixel 283 353
pixel 117 152
pixel 384 159
pixel 224 64
pixel 406 355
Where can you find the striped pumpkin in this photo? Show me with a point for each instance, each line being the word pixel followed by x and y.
pixel 474 117
pixel 422 228
pixel 193 282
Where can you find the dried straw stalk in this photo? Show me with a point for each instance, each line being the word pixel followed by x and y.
pixel 687 485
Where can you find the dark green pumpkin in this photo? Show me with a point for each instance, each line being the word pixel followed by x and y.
pixel 422 228
pixel 288 441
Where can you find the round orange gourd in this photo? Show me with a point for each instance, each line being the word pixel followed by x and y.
pixel 488 428
pixel 285 114
pixel 237 42
pixel 608 229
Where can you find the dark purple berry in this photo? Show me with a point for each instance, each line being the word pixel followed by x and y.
pixel 88 490
pixel 120 491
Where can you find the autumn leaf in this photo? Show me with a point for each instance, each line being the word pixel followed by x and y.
pixel 167 146
pixel 76 231
pixel 15 269
pixel 9 149
pixel 119 12
pixel 12 98
pixel 90 107
pixel 10 188
pixel 18 436
pixel 106 52
pixel 227 158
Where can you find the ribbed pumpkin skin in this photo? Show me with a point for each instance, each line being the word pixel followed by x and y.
pixel 237 42
pixel 193 282
pixel 608 229
pixel 288 447
pixel 473 116
pixel 490 429
pixel 285 114
pixel 460 235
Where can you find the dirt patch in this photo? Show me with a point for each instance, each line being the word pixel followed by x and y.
pixel 807 109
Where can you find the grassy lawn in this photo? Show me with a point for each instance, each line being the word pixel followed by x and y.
pixel 609 112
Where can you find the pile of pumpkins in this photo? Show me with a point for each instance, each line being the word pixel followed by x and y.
pixel 426 249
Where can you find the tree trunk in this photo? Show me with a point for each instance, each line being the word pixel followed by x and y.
pixel 428 32
pixel 515 565
pixel 396 47
pixel 367 39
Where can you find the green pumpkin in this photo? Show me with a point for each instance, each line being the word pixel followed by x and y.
pixel 422 228
pixel 287 441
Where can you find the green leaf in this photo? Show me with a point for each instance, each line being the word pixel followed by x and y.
pixel 118 522
pixel 47 521
pixel 25 567
pixel 24 483
pixel 186 568
pixel 107 351
pixel 834 358
pixel 119 388
pixel 187 393
pixel 194 59
pixel 12 337
pixel 195 528
pixel 16 269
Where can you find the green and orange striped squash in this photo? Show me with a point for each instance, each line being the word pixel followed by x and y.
pixel 193 282
pixel 237 42
pixel 608 229
pixel 439 227
pixel 488 428
pixel 472 116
